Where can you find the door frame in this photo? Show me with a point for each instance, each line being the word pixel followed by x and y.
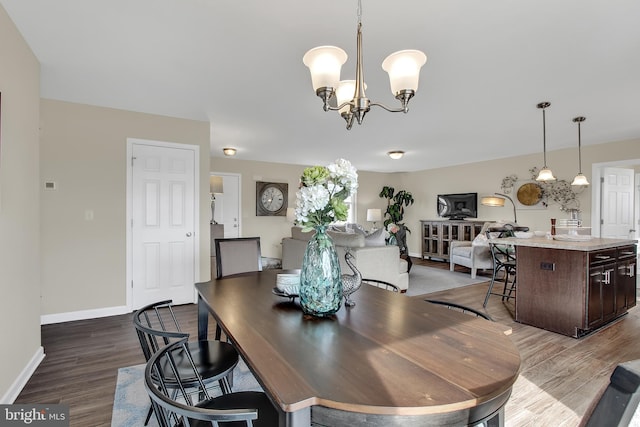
pixel 239 176
pixel 596 191
pixel 129 208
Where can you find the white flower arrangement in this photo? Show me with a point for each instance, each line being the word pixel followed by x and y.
pixel 393 228
pixel 323 190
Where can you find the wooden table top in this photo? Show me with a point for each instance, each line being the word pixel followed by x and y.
pixel 390 354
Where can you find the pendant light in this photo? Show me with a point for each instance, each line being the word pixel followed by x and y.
pixel 545 173
pixel 580 179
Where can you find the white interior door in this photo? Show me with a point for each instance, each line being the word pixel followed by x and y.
pixel 617 220
pixel 163 224
pixel 227 210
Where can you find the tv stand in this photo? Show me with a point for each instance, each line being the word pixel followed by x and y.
pixel 438 234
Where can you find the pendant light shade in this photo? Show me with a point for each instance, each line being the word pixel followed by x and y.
pixel 545 173
pixel 580 179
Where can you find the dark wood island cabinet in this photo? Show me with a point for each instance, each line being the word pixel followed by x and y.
pixel 573 288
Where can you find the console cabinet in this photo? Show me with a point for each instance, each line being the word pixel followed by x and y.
pixel 437 236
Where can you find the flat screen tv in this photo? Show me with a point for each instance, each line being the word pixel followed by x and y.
pixel 458 206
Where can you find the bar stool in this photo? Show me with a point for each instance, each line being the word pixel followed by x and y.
pixel 504 258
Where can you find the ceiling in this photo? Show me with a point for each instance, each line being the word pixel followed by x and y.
pixel 238 65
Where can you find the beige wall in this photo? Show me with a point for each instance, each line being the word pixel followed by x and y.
pixel 486 177
pixel 482 178
pixel 84 152
pixel 271 229
pixel 19 207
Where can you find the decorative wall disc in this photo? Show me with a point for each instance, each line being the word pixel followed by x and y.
pixel 529 194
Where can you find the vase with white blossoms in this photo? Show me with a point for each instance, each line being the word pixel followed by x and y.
pixel 320 201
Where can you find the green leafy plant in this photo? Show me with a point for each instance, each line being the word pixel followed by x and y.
pixel 396 202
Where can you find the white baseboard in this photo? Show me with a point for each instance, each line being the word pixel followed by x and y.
pixel 12 394
pixel 46 319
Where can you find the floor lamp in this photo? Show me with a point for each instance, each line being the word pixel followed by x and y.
pixel 215 187
pixel 498 200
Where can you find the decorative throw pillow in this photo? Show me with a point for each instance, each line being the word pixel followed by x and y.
pixel 480 240
pixel 358 229
pixel 377 238
pixel 352 240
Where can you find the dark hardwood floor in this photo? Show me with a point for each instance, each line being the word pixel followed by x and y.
pixel 559 377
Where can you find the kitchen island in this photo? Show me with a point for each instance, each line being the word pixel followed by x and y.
pixel 573 287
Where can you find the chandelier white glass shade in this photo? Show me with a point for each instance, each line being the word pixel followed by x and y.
pixel 344 94
pixel 580 179
pixel 545 173
pixel 325 63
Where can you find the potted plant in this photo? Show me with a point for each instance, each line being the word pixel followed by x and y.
pixel 396 202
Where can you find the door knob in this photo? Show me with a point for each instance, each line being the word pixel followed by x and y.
pixel 188 234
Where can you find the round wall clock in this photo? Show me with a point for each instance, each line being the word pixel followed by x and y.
pixel 529 194
pixel 271 198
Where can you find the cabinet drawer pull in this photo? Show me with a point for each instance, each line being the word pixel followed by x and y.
pixel 607 277
pixel 627 270
pixel 597 273
pixel 602 256
pixel 627 253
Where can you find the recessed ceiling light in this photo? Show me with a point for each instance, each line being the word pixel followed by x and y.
pixel 395 155
pixel 228 151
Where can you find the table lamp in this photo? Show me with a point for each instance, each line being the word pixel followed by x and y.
pixel 374 215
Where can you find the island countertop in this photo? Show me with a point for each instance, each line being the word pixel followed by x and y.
pixel 594 244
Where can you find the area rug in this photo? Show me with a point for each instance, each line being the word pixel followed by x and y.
pixel 131 402
pixel 425 280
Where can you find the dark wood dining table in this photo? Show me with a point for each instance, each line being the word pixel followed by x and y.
pixel 389 360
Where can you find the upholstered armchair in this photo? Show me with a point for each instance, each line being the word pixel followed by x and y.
pixel 474 255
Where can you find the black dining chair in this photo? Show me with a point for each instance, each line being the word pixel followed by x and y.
pixel 381 284
pixel 245 408
pixel 156 326
pixel 462 308
pixel 618 403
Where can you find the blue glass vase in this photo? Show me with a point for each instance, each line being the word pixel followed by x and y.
pixel 320 278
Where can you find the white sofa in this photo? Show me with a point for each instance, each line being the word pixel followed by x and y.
pixel 373 260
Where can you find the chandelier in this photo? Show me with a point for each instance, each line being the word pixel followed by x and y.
pixel 325 62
